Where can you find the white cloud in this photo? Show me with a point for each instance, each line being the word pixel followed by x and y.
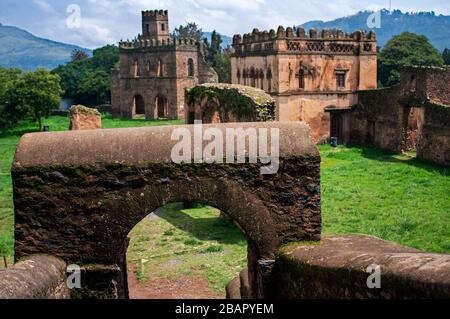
pixel 44 6
pixel 106 21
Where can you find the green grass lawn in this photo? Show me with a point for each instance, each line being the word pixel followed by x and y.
pixel 188 242
pixel 391 196
pixel 364 190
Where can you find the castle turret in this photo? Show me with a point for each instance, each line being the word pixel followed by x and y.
pixel 155 25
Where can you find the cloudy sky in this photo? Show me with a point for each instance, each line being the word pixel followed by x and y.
pixel 108 21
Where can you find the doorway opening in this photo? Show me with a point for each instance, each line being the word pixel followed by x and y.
pixel 184 251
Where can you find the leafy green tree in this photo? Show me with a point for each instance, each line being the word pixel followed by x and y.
pixel 190 30
pixel 405 49
pixel 213 49
pixel 7 79
pixel 87 81
pixel 223 66
pixel 106 58
pixel 446 56
pixel 34 94
pixel 94 88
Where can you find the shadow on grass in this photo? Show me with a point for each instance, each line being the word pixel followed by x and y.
pixel 222 230
pixel 392 157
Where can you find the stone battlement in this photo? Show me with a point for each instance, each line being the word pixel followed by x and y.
pixel 333 41
pixel 141 42
pixel 155 13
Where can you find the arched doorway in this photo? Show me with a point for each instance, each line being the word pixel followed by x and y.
pixel 161 107
pixel 138 105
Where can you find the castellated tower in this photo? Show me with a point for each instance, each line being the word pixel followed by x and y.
pixel 155 69
pixel 155 25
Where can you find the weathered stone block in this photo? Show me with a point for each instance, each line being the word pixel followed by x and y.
pixel 337 267
pixel 84 118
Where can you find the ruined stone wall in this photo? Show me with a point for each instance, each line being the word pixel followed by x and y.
pixel 336 268
pixel 407 116
pixel 35 277
pixel 438 85
pixel 435 134
pixel 376 119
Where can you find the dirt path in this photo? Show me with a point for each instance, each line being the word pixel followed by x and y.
pixel 185 287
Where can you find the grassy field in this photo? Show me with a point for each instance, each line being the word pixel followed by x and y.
pixel 188 242
pixel 364 190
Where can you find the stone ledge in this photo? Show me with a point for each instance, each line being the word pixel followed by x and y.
pixel 35 277
pixel 336 268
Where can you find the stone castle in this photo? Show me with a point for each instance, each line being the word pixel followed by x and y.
pixel 306 73
pixel 155 68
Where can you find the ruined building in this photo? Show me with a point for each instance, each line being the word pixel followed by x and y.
pixel 155 68
pixel 306 73
pixel 413 115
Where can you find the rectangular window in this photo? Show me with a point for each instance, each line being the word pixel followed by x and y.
pixel 340 80
pixel 163 27
pixel 147 27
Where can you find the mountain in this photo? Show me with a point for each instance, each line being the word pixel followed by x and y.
pixel 435 27
pixel 226 40
pixel 23 50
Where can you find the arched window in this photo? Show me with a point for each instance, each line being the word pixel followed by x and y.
pixel 253 77
pixel 148 67
pixel 136 69
pixel 269 80
pixel 159 70
pixel 261 77
pixel 190 67
pixel 301 79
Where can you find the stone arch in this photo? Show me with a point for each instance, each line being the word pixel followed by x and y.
pixel 95 186
pixel 190 67
pixel 138 105
pixel 161 109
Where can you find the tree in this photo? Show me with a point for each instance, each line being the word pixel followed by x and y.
pixel 106 58
pixel 405 49
pixel 213 49
pixel 7 79
pixel 223 66
pixel 446 56
pixel 95 87
pixel 87 81
pixel 34 94
pixel 190 30
pixel 78 55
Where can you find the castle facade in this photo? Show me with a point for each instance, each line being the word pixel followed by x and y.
pixel 155 68
pixel 307 74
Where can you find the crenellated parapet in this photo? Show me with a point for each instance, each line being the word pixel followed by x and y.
pixel 155 13
pixel 299 40
pixel 173 43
